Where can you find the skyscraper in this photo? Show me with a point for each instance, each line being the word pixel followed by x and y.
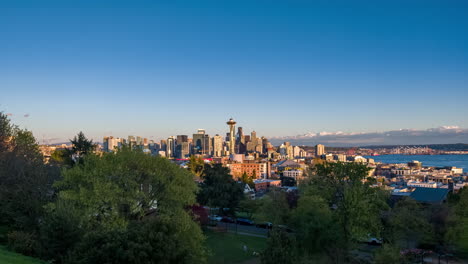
pixel 131 141
pixel 111 144
pixel 319 150
pixel 232 127
pixel 170 147
pixel 201 143
pixel 183 150
pixel 217 146
pixel 240 141
pixel 182 138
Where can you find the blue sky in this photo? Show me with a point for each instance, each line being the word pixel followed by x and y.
pixel 160 68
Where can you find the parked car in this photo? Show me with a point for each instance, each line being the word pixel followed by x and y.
pixel 244 221
pixel 266 225
pixel 227 219
pixel 371 240
pixel 374 241
pixel 215 218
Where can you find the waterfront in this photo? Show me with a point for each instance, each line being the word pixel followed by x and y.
pixel 460 161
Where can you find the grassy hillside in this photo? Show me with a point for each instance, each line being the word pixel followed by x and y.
pixel 8 257
pixel 228 248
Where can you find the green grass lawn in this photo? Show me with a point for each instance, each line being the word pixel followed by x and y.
pixel 228 247
pixel 8 257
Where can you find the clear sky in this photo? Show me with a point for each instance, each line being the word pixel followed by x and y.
pixel 160 68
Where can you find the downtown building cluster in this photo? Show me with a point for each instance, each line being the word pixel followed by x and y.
pixel 206 146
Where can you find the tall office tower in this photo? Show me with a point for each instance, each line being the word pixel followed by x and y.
pixel 297 151
pixel 283 150
pixel 264 145
pixel 105 144
pixel 111 144
pixel 319 150
pixel 162 145
pixel 131 141
pixel 182 138
pixel 139 141
pixel 240 141
pixel 183 150
pixel 217 146
pixel 232 127
pixel 170 147
pixel 255 144
pixel 240 135
pixel 201 143
pixel 145 141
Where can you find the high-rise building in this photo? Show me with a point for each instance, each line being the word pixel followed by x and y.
pixel 201 143
pixel 240 141
pixel 170 147
pixel 131 141
pixel 217 145
pixel 162 145
pixel 255 144
pixel 111 144
pixel 183 150
pixel 264 145
pixel 319 150
pixel 139 141
pixel 182 138
pixel 232 127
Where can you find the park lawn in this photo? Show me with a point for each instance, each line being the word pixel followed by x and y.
pixel 228 247
pixel 8 257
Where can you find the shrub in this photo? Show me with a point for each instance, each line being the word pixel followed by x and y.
pixel 22 242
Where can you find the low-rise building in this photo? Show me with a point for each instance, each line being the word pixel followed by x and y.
pixel 256 170
pixel 296 174
pixel 265 184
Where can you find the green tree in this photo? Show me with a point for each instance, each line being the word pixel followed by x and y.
pixel 175 239
pixel 388 254
pixel 281 248
pixel 249 207
pixel 219 189
pixel 274 208
pixel 61 157
pixel 316 229
pixel 457 233
pixel 247 179
pixel 196 165
pixel 408 224
pixel 25 181
pixel 117 187
pixel 357 206
pixel 112 199
pixel 81 146
pixel 61 230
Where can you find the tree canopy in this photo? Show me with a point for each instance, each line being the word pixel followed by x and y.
pixel 219 189
pixel 25 181
pixel 125 207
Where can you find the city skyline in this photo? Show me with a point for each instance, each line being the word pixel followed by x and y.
pixel 440 135
pixel 282 69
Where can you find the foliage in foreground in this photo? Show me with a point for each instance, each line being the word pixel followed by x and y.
pixel 9 257
pixel 124 207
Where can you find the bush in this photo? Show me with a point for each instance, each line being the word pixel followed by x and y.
pixel 3 234
pixel 388 254
pixel 154 240
pixel 60 232
pixel 22 242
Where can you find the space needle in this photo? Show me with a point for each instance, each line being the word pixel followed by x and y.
pixel 232 127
